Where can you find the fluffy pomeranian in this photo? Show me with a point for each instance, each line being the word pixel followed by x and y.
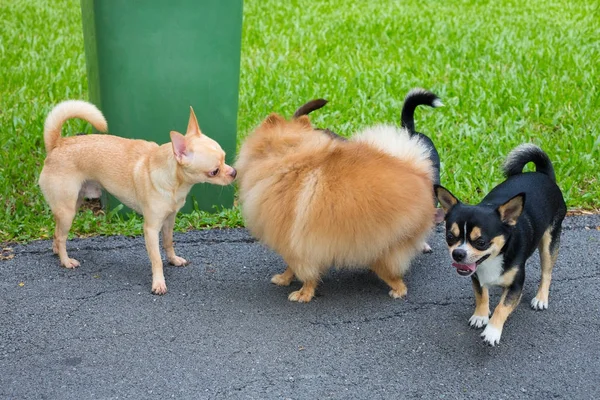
pixel 321 202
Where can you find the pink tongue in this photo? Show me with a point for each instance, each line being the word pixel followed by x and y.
pixel 465 267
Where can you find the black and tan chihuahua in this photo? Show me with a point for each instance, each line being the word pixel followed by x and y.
pixel 491 241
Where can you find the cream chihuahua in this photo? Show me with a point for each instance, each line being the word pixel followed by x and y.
pixel 151 179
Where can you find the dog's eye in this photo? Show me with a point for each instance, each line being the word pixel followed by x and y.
pixel 450 237
pixel 214 172
pixel 480 244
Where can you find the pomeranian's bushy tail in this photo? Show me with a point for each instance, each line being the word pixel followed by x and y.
pixel 399 143
pixel 526 153
pixel 66 110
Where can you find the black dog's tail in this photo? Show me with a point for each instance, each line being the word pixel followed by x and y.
pixel 309 107
pixel 415 98
pixel 526 153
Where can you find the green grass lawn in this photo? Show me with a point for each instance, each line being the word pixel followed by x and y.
pixel 508 72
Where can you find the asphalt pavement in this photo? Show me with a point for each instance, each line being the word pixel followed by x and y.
pixel 224 331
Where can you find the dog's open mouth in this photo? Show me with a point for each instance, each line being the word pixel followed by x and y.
pixel 468 269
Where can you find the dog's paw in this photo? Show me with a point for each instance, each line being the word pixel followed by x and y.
pixel 426 248
pixel 398 293
pixel 538 304
pixel 491 335
pixel 301 296
pixel 159 287
pixel 178 261
pixel 281 280
pixel 71 263
pixel 478 321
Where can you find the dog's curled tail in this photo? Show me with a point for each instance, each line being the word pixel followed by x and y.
pixel 526 153
pixel 66 110
pixel 415 98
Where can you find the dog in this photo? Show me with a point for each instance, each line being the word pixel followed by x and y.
pixel 491 241
pixel 150 179
pixel 319 201
pixel 413 99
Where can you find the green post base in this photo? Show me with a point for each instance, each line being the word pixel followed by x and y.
pixel 149 61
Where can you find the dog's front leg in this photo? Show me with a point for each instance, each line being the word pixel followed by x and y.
pixel 508 302
pixel 481 316
pixel 167 234
pixel 151 229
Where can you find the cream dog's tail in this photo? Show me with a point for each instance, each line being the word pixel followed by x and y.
pixel 67 110
pixel 399 142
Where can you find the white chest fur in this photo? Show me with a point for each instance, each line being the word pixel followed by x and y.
pixel 489 272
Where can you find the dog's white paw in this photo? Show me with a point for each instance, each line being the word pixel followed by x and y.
pixel 538 304
pixel 478 321
pixel 491 335
pixel 426 248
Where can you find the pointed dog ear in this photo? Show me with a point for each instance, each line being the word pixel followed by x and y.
pixel 180 150
pixel 511 210
pixel 447 200
pixel 193 127
pixel 273 120
pixel 304 121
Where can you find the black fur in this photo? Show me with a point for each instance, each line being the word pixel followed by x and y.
pixel 415 98
pixel 516 162
pixel 543 210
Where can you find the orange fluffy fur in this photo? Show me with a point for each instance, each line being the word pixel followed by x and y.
pixel 321 202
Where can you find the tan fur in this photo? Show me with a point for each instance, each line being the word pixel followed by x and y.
pixel 482 300
pixel 511 210
pixel 547 261
pixel 151 179
pixel 475 233
pixel 508 277
pixel 321 202
pixel 455 229
pixel 503 310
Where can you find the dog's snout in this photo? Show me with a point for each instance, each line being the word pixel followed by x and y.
pixel 459 255
pixel 233 173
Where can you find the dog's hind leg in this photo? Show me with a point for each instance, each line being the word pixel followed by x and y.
pixel 63 199
pixel 548 249
pixel 391 268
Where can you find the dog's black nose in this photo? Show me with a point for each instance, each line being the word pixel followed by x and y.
pixel 459 255
pixel 233 173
